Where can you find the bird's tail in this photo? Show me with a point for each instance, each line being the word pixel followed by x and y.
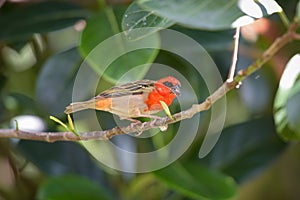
pixel 77 106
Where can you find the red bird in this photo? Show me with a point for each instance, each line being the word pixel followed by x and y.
pixel 136 99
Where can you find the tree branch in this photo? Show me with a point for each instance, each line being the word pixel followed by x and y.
pixel 189 113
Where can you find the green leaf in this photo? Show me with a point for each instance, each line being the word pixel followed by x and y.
pixel 60 123
pixel 71 187
pixel 210 40
pixel 197 181
pixel 293 112
pixel 298 10
pixel 38 18
pixel 143 186
pixel 136 17
pixel 285 103
pixel 245 149
pixel 55 81
pixel 166 109
pixel 111 54
pixel 205 14
pixel 57 158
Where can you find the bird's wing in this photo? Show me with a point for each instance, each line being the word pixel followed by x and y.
pixel 133 88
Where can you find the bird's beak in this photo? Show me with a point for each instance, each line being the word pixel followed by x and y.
pixel 176 90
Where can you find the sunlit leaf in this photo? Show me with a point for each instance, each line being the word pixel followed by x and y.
pixel 259 8
pixel 286 103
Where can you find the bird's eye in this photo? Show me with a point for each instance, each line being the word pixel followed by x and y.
pixel 168 84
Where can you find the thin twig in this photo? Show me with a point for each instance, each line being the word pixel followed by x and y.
pixel 296 36
pixel 234 55
pixel 196 108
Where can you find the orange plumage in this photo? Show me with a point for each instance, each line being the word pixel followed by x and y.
pixel 135 99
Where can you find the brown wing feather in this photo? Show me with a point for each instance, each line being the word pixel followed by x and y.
pixel 133 88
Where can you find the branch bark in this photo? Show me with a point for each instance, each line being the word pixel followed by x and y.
pixel 189 113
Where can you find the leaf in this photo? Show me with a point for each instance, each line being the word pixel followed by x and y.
pixel 71 123
pixel 55 81
pixel 111 54
pixel 257 101
pixel 259 8
pixel 220 40
pixel 145 187
pixel 205 14
pixel 284 105
pixel 298 10
pixel 38 18
pixel 293 111
pixel 245 149
pixel 71 187
pixel 196 181
pixel 60 123
pixel 58 158
pixel 166 109
pixel 136 17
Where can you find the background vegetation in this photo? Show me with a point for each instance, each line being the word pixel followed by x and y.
pixel 42 44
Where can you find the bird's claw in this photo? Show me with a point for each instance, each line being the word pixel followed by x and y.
pixel 138 126
pixel 164 127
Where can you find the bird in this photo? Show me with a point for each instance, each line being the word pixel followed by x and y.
pixel 131 100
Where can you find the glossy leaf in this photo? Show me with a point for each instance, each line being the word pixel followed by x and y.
pixel 22 22
pixel 196 181
pixel 70 187
pixel 293 112
pixel 285 103
pixel 210 40
pixel 55 81
pixel 259 8
pixel 112 55
pixel 205 14
pixel 245 149
pixel 136 17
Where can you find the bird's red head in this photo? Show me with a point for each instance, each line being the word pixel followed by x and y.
pixel 171 83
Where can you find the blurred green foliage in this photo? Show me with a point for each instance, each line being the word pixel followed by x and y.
pixel 43 45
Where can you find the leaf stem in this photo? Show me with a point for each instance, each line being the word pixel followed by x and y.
pixel 284 19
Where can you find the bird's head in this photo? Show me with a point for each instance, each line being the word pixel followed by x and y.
pixel 172 83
